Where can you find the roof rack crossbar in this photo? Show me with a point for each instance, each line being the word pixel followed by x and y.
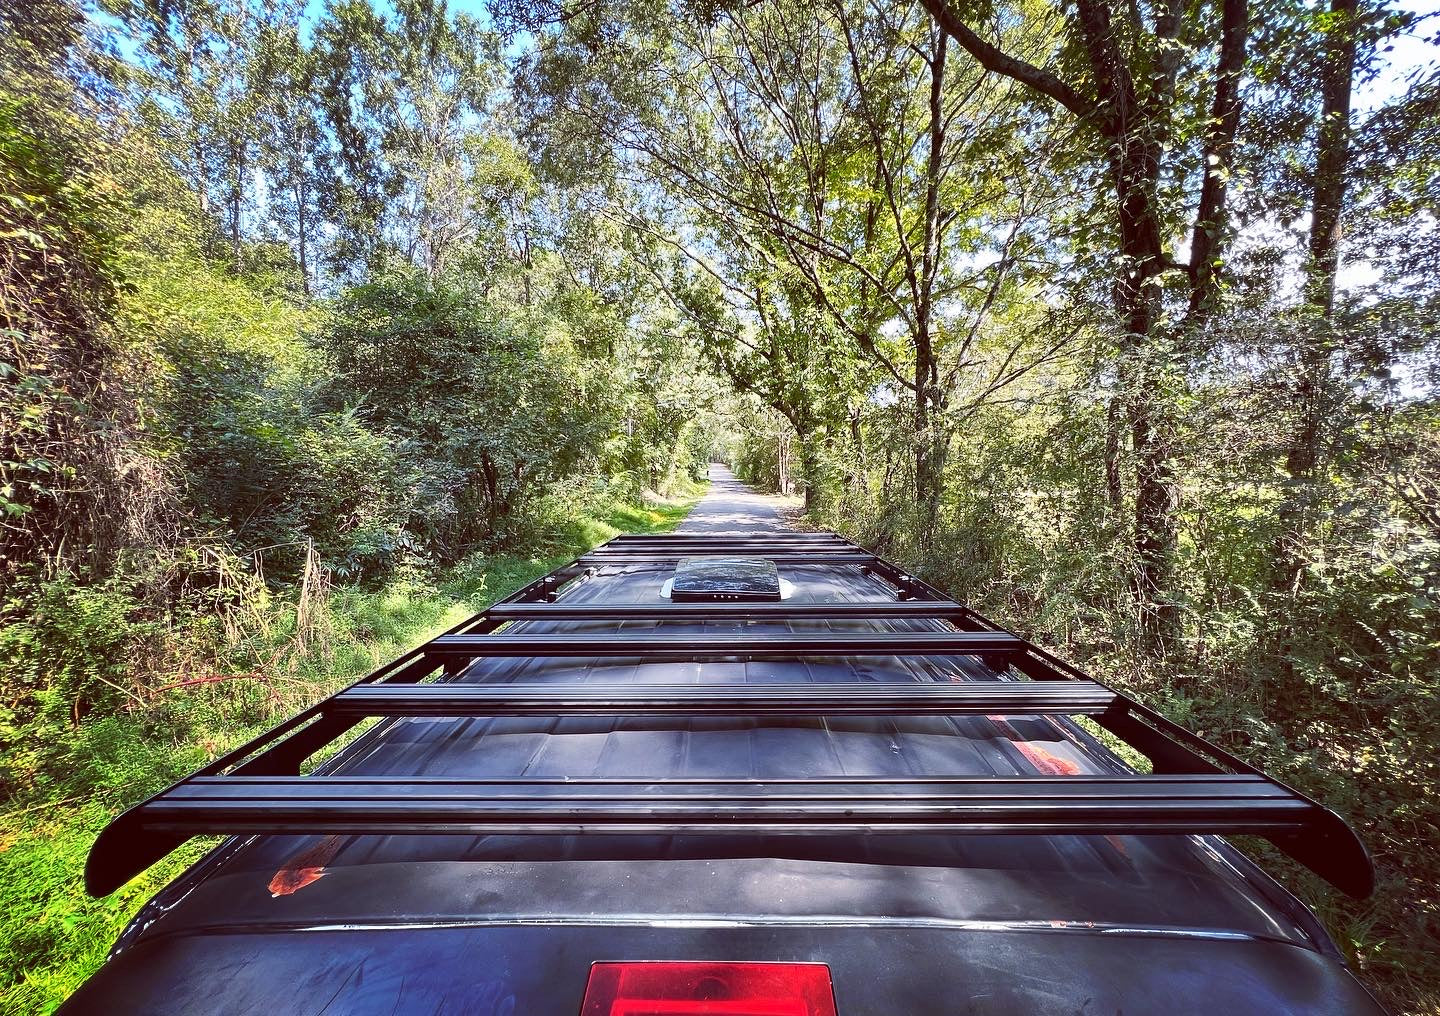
pixel 852 698
pixel 658 556
pixel 748 549
pixel 766 540
pixel 1124 805
pixel 773 536
pixel 783 611
pixel 779 644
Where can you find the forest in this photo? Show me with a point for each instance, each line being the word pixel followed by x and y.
pixel 327 323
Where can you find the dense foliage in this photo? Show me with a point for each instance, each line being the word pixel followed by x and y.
pixel 257 441
pixel 188 422
pixel 1118 323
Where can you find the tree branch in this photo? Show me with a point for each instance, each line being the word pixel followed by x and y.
pixel 993 59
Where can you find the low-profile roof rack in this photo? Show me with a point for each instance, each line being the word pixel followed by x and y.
pixel 1194 787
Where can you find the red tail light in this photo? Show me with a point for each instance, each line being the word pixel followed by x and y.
pixel 685 989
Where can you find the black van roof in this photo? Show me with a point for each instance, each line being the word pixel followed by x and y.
pixel 595 761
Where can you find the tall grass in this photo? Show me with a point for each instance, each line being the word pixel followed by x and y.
pixel 65 782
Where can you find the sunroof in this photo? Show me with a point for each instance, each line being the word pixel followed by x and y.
pixel 699 579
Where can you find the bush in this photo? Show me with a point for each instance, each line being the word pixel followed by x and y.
pixel 486 412
pixel 67 650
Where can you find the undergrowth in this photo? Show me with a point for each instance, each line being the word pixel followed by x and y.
pixel 1331 689
pixel 137 731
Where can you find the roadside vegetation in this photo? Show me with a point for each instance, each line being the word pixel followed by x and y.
pixel 322 324
pixel 200 694
pixel 223 497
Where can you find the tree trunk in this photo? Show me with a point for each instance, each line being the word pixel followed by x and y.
pixel 782 462
pixel 301 226
pixel 1157 501
pixel 925 487
pixel 1114 447
pixel 810 471
pixel 527 263
pixel 491 478
pixel 237 192
pixel 1332 155
pixel 1135 166
pixel 929 464
pixel 1332 166
pixel 1208 241
pixel 856 480
pixel 202 180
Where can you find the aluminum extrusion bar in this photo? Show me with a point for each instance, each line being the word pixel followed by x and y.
pixel 685 646
pixel 784 611
pixel 778 536
pixel 659 556
pixel 862 699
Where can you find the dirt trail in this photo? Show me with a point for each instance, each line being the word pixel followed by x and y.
pixel 731 508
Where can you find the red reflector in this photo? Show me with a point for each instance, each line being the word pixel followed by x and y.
pixel 684 989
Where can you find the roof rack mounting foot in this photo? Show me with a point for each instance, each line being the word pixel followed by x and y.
pixel 123 850
pixel 1331 850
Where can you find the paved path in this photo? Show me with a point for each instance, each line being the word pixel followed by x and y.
pixel 731 508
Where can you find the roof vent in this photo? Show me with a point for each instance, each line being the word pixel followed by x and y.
pixel 728 579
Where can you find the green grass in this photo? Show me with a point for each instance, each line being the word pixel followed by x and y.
pixel 52 935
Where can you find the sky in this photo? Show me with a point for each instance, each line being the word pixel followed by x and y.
pixel 1411 53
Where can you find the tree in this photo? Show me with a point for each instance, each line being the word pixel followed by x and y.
pixel 203 64
pixel 1122 88
pixel 1330 178
pixel 68 493
pixel 296 141
pixel 487 410
pixel 356 181
pixel 824 185
pixel 774 344
pixel 405 99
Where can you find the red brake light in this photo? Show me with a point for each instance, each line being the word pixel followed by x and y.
pixel 686 989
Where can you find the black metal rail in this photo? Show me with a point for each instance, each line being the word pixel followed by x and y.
pixel 1080 804
pixel 977 698
pixel 790 557
pixel 1196 787
pixel 684 647
pixel 754 546
pixel 784 611
pixel 677 539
